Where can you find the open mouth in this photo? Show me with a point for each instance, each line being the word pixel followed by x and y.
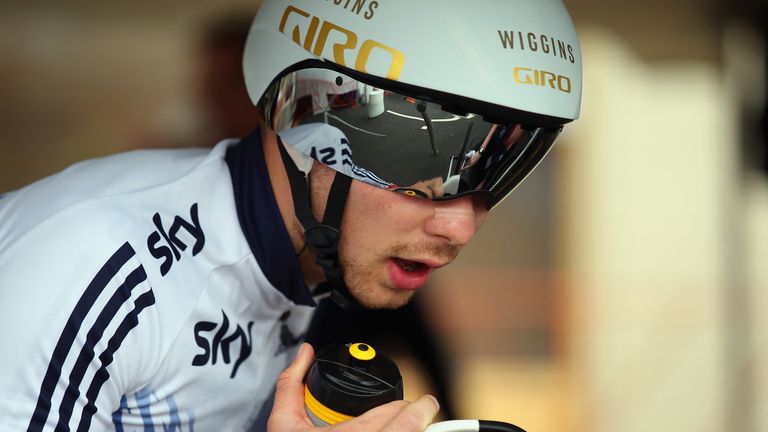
pixel 410 266
pixel 408 275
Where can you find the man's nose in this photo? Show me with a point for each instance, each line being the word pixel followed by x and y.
pixel 456 220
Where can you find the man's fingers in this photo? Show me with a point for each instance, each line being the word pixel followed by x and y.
pixel 373 419
pixel 414 417
pixel 289 393
pixel 382 414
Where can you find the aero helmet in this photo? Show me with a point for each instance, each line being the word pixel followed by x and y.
pixel 466 97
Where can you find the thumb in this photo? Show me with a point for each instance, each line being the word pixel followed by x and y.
pixel 288 409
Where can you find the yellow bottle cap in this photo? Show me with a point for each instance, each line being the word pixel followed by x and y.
pixel 362 351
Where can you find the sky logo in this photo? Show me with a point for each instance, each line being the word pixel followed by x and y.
pixel 165 243
pixel 222 340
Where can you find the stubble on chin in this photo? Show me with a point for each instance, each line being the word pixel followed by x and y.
pixel 389 299
pixel 370 291
pixel 367 283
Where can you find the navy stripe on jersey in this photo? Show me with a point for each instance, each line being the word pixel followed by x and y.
pixel 261 221
pixel 71 328
pixel 368 177
pixel 129 322
pixel 120 297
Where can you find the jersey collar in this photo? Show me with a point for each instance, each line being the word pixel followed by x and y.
pixel 261 221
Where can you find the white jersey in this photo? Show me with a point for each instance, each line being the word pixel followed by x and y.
pixel 151 290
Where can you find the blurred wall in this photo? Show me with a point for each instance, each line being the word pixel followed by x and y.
pixel 86 79
pixel 647 186
pixel 756 356
pixel 661 240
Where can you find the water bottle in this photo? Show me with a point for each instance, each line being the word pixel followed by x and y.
pixel 347 380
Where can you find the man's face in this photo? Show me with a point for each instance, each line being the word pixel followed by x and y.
pixel 391 242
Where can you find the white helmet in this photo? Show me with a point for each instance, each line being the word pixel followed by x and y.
pixel 436 99
pixel 521 54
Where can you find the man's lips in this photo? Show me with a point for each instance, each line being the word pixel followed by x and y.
pixel 429 262
pixel 410 275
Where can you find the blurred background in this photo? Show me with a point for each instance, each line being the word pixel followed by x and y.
pixel 622 287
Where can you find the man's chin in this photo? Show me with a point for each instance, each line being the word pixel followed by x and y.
pixel 383 300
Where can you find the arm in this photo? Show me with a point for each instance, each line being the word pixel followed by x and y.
pixel 68 338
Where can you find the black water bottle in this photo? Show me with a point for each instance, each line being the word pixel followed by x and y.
pixel 348 380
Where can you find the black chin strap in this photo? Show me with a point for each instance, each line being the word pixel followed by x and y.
pixel 323 237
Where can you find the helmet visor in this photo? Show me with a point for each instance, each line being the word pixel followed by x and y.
pixel 407 142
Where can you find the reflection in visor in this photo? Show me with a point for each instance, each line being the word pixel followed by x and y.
pixel 400 142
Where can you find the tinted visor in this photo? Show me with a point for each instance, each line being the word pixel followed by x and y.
pixel 403 141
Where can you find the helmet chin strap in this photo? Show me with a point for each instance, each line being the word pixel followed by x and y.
pixel 323 237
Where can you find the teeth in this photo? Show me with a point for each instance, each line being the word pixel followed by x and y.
pixel 408 266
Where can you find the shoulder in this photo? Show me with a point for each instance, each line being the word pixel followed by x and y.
pixel 84 185
pixel 100 287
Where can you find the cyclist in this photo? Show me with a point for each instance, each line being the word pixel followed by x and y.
pixel 171 287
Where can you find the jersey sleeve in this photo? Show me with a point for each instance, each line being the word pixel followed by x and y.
pixel 79 329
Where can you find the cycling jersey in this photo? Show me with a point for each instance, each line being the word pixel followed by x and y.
pixel 150 290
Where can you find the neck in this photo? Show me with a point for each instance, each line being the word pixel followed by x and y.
pixel 278 178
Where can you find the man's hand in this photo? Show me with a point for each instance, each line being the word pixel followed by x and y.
pixel 288 414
